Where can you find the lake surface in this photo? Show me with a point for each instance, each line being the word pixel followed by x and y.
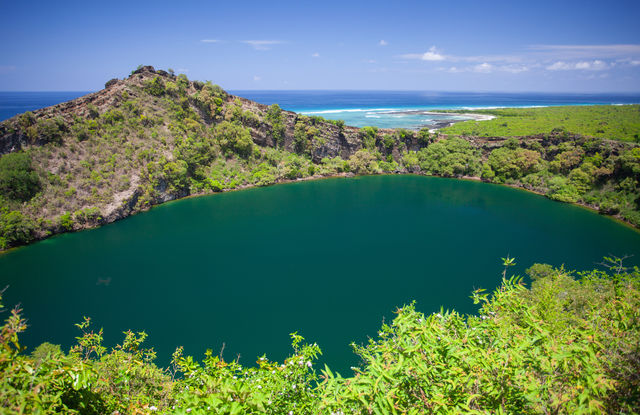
pixel 328 258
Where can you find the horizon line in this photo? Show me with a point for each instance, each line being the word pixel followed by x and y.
pixel 372 90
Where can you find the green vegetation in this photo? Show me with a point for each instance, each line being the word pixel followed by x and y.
pixel 590 171
pixel 159 137
pixel 18 180
pixel 274 116
pixel 614 122
pixel 451 157
pixel 567 344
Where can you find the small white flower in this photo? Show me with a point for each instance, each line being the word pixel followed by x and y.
pixel 188 410
pixel 290 412
pixel 309 364
pixel 294 386
pixel 235 377
pixel 153 408
pixel 259 386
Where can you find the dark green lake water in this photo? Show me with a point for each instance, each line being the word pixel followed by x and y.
pixel 329 259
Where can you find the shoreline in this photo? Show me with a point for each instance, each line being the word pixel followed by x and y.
pixel 615 218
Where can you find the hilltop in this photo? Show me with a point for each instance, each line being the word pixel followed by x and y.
pixel 156 136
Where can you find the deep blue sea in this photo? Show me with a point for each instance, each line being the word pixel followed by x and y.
pixel 13 103
pixel 386 109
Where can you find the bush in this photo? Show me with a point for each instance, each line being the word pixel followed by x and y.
pixel 509 163
pixel 301 143
pixel 565 345
pixel 15 228
pixel 364 162
pixel 234 138
pixel 18 179
pixel 274 117
pixel 65 221
pixel 154 86
pixel 368 135
pixel 49 130
pixel 450 157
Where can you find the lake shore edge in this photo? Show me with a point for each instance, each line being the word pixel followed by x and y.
pixel 616 218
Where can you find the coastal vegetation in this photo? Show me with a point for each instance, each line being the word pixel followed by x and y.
pixel 568 343
pixel 612 122
pixel 155 137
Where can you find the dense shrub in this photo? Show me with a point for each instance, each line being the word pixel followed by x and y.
pixel 450 157
pixel 508 163
pixel 369 135
pixel 15 228
pixel 50 131
pixel 234 138
pixel 154 86
pixel 18 179
pixel 565 345
pixel 274 117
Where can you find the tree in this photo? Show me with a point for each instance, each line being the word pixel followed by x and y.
pixel 235 138
pixel 18 179
pixel 15 228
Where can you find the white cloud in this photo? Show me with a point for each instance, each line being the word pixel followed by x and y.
pixel 595 58
pixel 256 78
pixel 486 67
pixel 595 65
pixel 315 55
pixel 514 68
pixel 432 55
pixel 587 51
pixel 383 43
pixel 482 68
pixel 210 41
pixel 370 61
pixel 262 44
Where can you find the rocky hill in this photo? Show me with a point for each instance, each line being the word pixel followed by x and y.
pixel 155 136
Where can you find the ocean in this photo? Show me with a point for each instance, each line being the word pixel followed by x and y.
pixel 14 103
pixel 384 109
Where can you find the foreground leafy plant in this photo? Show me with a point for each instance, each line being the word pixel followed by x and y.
pixel 565 345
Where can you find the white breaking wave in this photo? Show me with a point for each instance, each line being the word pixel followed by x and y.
pixel 348 110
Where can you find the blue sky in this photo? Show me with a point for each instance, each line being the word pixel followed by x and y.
pixel 560 45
